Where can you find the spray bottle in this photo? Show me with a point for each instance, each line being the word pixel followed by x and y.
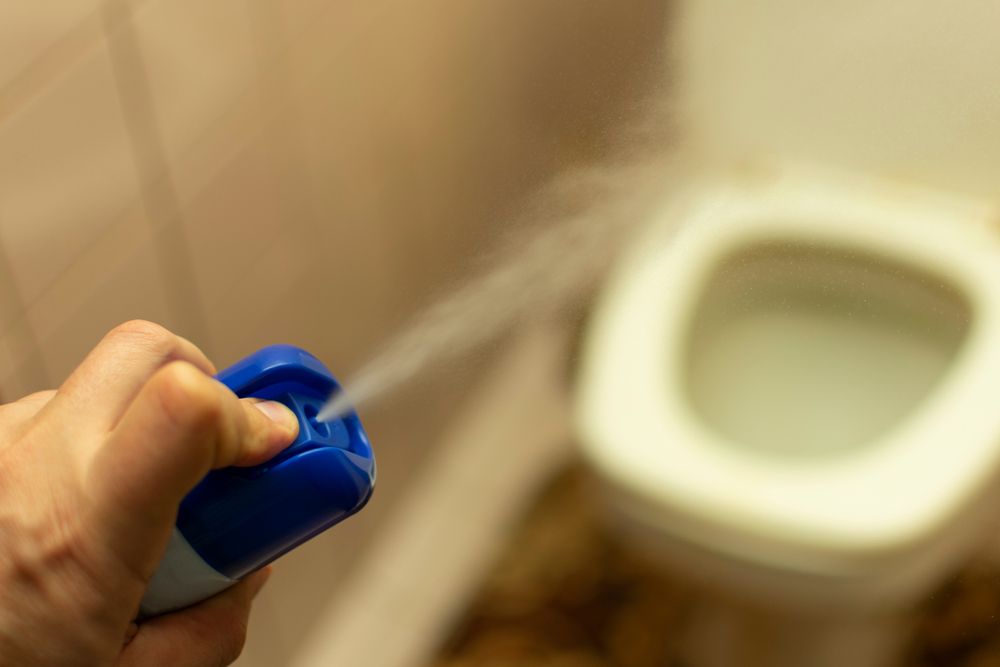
pixel 237 520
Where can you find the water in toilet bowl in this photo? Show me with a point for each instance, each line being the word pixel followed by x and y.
pixel 804 350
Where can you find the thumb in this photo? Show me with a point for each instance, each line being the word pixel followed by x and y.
pixel 182 424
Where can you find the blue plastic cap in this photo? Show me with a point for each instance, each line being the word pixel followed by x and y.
pixel 240 519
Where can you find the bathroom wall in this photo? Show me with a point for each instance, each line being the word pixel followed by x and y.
pixel 254 171
pixel 910 90
pixel 192 162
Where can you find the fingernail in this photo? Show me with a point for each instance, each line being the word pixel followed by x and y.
pixel 278 413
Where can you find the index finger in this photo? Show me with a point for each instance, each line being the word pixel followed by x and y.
pixel 182 424
pixel 98 392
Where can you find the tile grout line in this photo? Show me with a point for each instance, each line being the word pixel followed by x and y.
pixel 6 113
pixel 53 63
pixel 270 79
pixel 129 207
pixel 158 192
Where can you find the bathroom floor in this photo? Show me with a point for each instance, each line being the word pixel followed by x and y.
pixel 566 595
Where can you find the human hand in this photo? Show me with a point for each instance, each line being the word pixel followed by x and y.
pixel 91 477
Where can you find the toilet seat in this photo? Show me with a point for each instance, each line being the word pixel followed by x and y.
pixel 834 516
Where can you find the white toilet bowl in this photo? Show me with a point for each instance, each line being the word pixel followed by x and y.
pixel 794 397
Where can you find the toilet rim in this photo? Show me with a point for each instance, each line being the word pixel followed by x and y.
pixel 638 432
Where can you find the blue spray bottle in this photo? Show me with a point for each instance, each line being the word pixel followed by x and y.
pixel 237 520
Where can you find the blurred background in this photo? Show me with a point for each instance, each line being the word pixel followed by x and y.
pixel 248 172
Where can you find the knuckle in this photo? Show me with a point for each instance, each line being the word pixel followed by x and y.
pixel 148 334
pixel 187 396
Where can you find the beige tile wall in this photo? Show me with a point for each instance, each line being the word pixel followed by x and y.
pixel 377 139
pixel 255 171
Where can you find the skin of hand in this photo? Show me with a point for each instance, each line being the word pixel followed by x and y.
pixel 91 476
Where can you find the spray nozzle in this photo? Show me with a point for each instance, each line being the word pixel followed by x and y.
pixel 236 520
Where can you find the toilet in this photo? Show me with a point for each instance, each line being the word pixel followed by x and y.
pixel 788 392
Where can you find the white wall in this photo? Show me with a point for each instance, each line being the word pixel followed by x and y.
pixel 909 89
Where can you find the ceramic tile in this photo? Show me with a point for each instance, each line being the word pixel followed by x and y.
pixel 17 376
pixel 31 29
pixel 11 304
pixel 406 134
pixel 232 221
pixel 198 61
pixel 84 279
pixel 244 319
pixel 116 280
pixel 305 22
pixel 66 173
pixel 11 385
